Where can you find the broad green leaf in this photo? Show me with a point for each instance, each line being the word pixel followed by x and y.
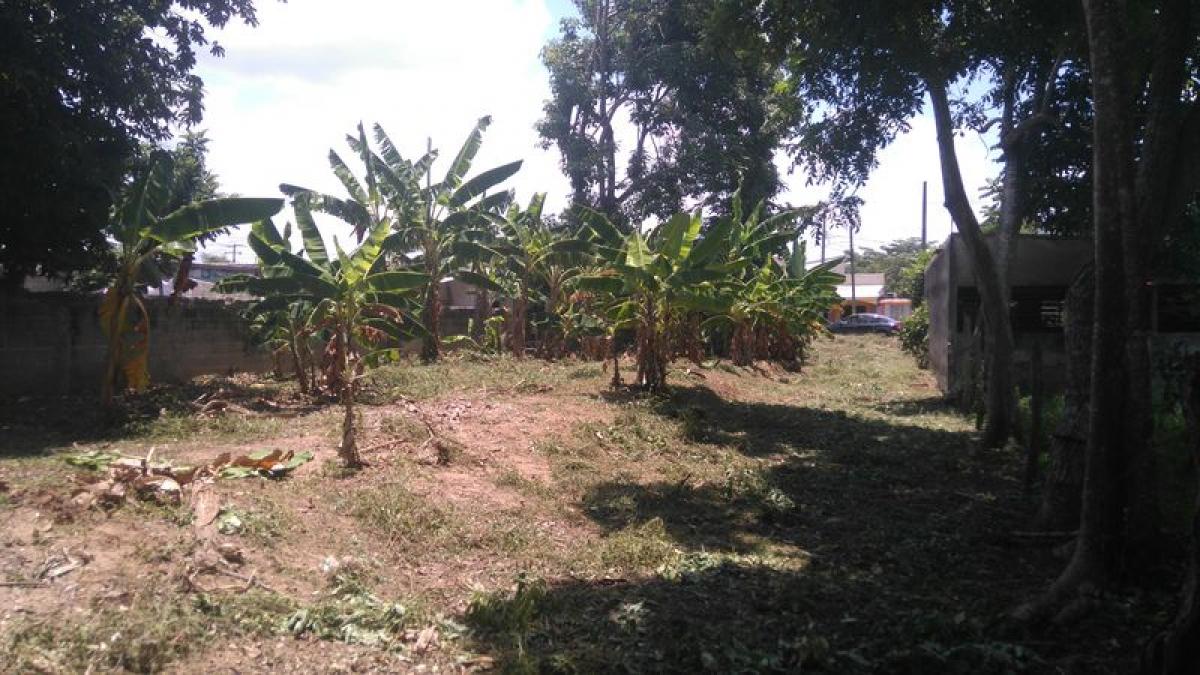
pixel 482 182
pixel 314 245
pixel 713 244
pixel 200 218
pixel 478 280
pixel 267 254
pixel 671 234
pixel 386 148
pixel 637 254
pixel 145 199
pixel 396 281
pixel 466 154
pixel 364 258
pixel 346 176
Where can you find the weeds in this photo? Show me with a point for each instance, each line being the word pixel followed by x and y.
pixel 637 547
pixel 351 614
pixel 510 616
pixel 145 635
pixel 403 519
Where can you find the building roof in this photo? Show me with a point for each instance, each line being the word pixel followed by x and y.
pixel 860 291
pixel 866 285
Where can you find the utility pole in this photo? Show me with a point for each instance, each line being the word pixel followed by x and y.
pixel 853 274
pixel 924 212
pixel 233 251
pixel 822 242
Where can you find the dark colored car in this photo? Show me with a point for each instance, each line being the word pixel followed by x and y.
pixel 866 323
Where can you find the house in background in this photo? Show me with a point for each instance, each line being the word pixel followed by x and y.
pixel 1043 269
pixel 866 292
pixel 859 292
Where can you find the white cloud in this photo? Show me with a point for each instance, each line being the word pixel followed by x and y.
pixel 290 89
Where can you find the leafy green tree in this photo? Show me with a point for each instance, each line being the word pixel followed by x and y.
pixel 144 231
pixel 81 85
pixel 697 81
pixel 852 101
pixel 890 259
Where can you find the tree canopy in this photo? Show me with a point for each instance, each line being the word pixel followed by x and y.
pixel 694 84
pixel 81 85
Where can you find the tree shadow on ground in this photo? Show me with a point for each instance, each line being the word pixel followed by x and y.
pixel 861 546
pixel 34 425
pixel 931 405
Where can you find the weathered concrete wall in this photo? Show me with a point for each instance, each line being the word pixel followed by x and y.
pixel 939 297
pixel 52 343
pixel 1039 262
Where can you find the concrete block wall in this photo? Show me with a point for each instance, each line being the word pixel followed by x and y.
pixel 52 343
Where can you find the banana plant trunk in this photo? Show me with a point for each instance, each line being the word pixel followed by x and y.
pixel 431 318
pixel 302 373
pixel 112 358
pixel 652 366
pixel 741 348
pixel 516 327
pixel 348 450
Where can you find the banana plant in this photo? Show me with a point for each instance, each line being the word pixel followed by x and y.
pixel 772 302
pixel 655 281
pixel 355 301
pixel 533 261
pixel 428 218
pixel 280 323
pixel 143 235
pixel 776 312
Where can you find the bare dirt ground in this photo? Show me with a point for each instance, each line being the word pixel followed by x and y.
pixel 522 516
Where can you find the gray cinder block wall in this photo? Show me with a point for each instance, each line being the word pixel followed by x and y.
pixel 51 343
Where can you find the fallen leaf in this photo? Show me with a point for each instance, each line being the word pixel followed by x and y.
pixel 427 639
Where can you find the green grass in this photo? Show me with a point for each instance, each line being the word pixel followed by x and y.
pixel 457 373
pixel 839 519
pixel 143 635
pixel 411 523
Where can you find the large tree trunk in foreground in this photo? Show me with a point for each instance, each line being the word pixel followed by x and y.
pixel 1098 546
pixel 1165 183
pixel 1061 492
pixel 1000 395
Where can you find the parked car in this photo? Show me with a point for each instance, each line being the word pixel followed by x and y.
pixel 866 323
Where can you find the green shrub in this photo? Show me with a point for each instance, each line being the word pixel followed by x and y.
pixel 914 337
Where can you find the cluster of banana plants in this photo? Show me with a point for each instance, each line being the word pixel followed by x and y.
pixel 427 218
pixel 357 307
pixel 144 237
pixel 777 305
pixel 521 258
pixel 735 286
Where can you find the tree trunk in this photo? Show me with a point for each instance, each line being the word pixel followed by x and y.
pixel 482 312
pixel 516 323
pixel 431 318
pixel 1063 487
pixel 348 449
pixel 1165 182
pixel 1099 544
pixel 1001 400
pixel 1177 650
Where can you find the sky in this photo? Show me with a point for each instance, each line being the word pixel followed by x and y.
pixel 290 89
